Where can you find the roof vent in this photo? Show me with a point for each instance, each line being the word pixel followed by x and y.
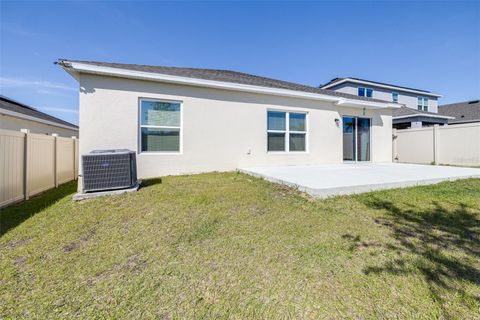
pixel 474 101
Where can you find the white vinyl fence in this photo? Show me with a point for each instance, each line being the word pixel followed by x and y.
pixel 454 145
pixel 31 163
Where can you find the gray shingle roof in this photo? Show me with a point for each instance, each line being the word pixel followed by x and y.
pixel 222 75
pixel 468 111
pixel 15 106
pixel 404 111
pixel 375 82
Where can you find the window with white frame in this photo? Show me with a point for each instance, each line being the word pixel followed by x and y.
pixel 365 92
pixel 160 125
pixel 422 103
pixel 286 131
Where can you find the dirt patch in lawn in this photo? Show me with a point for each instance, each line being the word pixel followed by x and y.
pixel 17 243
pixel 74 245
pixel 20 262
pixel 133 265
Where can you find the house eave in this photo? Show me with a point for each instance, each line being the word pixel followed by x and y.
pixel 416 115
pixel 35 119
pixel 76 68
pixel 359 104
pixel 465 121
pixel 368 83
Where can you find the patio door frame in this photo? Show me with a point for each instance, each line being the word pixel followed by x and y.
pixel 355 135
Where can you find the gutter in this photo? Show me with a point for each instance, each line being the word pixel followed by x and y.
pixel 423 115
pixel 76 68
pixel 465 121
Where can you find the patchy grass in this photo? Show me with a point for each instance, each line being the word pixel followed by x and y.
pixel 233 246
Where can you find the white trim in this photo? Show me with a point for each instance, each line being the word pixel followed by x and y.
pixel 287 132
pixel 76 67
pixel 464 122
pixel 31 118
pixel 423 115
pixel 158 127
pixel 374 84
pixel 140 126
pixel 360 104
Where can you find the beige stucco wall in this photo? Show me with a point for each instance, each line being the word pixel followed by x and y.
pixel 455 145
pixel 13 123
pixel 415 145
pixel 459 144
pixel 222 130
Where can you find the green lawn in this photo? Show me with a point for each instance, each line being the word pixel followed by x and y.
pixel 233 246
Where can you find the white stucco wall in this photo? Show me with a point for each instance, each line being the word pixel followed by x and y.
pixel 13 123
pixel 222 130
pixel 408 99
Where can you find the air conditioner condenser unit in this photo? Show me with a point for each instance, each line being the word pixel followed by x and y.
pixel 104 170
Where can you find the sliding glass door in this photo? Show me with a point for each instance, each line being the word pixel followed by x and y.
pixel 356 139
pixel 349 145
pixel 363 139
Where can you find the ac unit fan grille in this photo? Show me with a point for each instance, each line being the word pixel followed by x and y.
pixel 104 171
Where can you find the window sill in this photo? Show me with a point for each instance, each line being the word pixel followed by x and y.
pixel 166 153
pixel 287 152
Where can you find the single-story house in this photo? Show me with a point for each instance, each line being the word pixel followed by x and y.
pixel 15 115
pixel 461 112
pixel 187 120
pixel 404 118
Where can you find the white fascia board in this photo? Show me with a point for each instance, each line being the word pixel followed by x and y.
pixel 75 75
pixel 27 117
pixel 424 115
pixel 77 67
pixel 373 84
pixel 360 104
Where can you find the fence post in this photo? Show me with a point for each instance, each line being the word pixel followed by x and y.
pixel 394 145
pixel 55 158
pixel 74 157
pixel 436 143
pixel 26 189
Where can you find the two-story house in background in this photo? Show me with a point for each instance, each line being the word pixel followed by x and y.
pixel 420 107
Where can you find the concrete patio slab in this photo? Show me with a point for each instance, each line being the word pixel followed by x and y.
pixel 331 180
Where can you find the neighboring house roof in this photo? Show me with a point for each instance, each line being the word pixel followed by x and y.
pixel 405 112
pixel 468 111
pixel 337 81
pixel 17 109
pixel 210 75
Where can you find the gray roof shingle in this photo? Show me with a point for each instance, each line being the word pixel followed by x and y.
pixel 222 75
pixel 405 111
pixel 467 111
pixel 15 106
